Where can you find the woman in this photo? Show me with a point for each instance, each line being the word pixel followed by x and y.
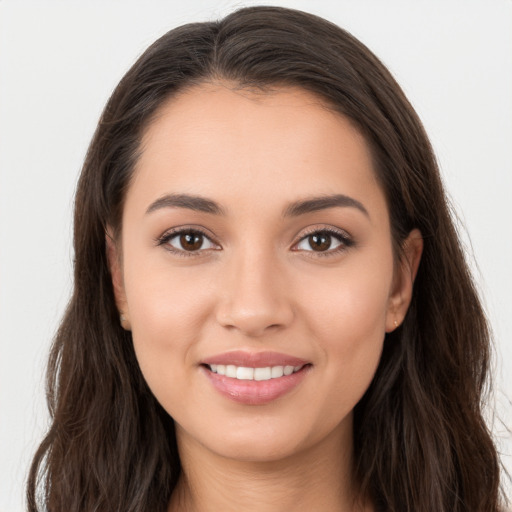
pixel 271 306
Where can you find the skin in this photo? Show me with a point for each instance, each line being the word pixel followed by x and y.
pixel 257 284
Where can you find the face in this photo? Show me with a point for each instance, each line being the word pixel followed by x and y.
pixel 257 271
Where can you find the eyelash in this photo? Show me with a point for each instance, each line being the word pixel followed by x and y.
pixel 174 233
pixel 342 237
pixel 346 241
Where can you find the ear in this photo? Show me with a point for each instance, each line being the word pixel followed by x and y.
pixel 403 280
pixel 116 272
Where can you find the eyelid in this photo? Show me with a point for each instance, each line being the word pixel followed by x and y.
pixel 171 233
pixel 343 236
pixel 346 240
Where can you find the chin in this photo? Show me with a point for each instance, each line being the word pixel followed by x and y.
pixel 260 450
pixel 267 439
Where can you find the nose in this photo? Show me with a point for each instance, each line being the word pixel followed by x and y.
pixel 255 296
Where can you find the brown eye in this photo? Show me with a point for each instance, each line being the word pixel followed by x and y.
pixel 191 241
pixel 188 241
pixel 319 241
pixel 324 241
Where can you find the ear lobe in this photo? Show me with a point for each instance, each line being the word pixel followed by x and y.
pixel 116 272
pixel 403 282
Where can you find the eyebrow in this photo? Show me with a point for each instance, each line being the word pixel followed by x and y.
pixel 295 209
pixel 190 202
pixel 315 204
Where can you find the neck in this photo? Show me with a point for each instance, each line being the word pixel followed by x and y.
pixel 319 478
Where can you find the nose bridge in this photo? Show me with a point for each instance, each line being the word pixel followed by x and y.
pixel 255 293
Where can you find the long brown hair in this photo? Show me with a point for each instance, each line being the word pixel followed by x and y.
pixel 421 443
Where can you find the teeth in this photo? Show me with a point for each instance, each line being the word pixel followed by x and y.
pixel 288 370
pixel 277 371
pixel 244 373
pixel 263 373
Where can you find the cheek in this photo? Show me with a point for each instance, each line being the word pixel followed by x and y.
pixel 162 300
pixel 352 303
pixel 168 311
pixel 346 315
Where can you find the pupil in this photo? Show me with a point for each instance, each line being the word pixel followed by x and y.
pixel 191 241
pixel 320 241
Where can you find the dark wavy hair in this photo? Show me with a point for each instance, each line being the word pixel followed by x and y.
pixel 421 443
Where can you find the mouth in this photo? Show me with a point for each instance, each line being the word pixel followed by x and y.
pixel 257 374
pixel 257 378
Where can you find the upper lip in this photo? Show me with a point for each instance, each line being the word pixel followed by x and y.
pixel 254 359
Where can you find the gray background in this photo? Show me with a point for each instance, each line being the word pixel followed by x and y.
pixel 60 60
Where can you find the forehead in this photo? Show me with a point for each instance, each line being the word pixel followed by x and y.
pixel 216 140
pixel 209 108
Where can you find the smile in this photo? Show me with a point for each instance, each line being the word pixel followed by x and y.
pixel 255 378
pixel 259 374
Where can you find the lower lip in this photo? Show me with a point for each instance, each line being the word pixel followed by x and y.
pixel 254 392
